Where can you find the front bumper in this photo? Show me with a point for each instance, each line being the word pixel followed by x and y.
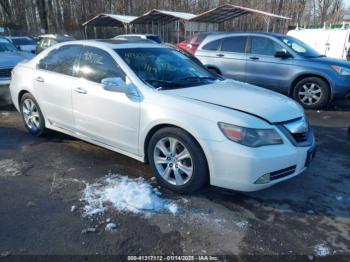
pixel 238 167
pixel 341 88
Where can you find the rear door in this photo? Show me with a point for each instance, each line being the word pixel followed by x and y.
pixel 266 70
pixel 53 81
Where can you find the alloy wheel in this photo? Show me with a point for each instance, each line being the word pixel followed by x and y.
pixel 31 114
pixel 173 161
pixel 310 93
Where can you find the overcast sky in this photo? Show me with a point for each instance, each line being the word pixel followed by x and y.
pixel 347 3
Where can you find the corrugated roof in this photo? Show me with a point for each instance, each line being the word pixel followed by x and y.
pixel 227 12
pixel 162 17
pixel 110 20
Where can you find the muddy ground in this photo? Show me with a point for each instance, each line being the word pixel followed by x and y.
pixel 42 178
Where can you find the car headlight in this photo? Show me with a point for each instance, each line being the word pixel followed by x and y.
pixel 341 70
pixel 250 136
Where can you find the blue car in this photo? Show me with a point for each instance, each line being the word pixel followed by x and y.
pixel 277 62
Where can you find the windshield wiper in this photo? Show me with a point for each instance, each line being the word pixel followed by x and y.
pixel 197 78
pixel 161 84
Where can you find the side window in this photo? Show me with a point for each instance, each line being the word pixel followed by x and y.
pixel 214 45
pixel 234 44
pixel 97 64
pixel 61 60
pixel 265 46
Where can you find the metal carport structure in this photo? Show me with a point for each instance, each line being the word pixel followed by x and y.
pixel 160 18
pixel 227 12
pixel 110 20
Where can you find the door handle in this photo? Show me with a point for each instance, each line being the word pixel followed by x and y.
pixel 254 58
pixel 80 90
pixel 40 79
pixel 220 55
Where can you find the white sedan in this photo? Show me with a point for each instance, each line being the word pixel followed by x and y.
pixel 156 105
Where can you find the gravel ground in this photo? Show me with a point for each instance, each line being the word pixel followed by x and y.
pixel 42 182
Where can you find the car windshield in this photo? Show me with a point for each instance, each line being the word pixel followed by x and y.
pixel 7 46
pixel 300 47
pixel 23 41
pixel 166 68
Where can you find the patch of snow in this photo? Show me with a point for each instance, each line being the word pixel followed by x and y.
pixel 339 198
pixel 310 211
pixel 242 224
pixel 10 167
pixel 73 208
pixel 5 114
pixel 322 250
pixel 124 194
pixel 111 227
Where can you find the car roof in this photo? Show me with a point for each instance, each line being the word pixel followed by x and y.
pixel 56 36
pixel 244 33
pixel 18 37
pixel 117 43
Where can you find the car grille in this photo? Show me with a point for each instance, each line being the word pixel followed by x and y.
pixel 282 173
pixel 300 137
pixel 5 72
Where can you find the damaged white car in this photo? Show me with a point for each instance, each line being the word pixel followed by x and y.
pixel 156 105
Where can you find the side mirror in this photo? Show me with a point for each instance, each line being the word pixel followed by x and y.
pixel 114 84
pixel 283 54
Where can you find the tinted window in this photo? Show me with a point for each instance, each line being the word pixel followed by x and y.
pixel 212 45
pixel 6 45
pixel 165 68
pixel 234 44
pixel 96 64
pixel 265 46
pixel 61 60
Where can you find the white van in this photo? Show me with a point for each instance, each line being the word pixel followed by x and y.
pixel 330 42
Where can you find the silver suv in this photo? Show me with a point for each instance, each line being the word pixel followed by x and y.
pixel 278 62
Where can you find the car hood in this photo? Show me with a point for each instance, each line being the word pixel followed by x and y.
pixel 10 59
pixel 332 61
pixel 265 104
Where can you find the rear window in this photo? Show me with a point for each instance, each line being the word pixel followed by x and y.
pixel 234 44
pixel 214 45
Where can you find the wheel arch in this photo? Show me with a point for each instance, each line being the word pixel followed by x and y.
pixel 160 126
pixel 305 75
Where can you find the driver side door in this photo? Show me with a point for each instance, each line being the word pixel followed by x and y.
pixel 108 117
pixel 264 69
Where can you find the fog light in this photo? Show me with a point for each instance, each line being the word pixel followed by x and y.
pixel 263 179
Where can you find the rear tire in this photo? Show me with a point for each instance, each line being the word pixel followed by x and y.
pixel 312 93
pixel 31 114
pixel 177 160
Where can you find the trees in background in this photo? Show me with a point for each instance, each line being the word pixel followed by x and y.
pixel 66 16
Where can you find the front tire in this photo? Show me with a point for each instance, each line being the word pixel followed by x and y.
pixel 31 114
pixel 312 93
pixel 177 160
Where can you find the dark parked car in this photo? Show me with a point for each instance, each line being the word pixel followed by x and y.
pixel 24 43
pixel 278 62
pixel 46 41
pixel 9 57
